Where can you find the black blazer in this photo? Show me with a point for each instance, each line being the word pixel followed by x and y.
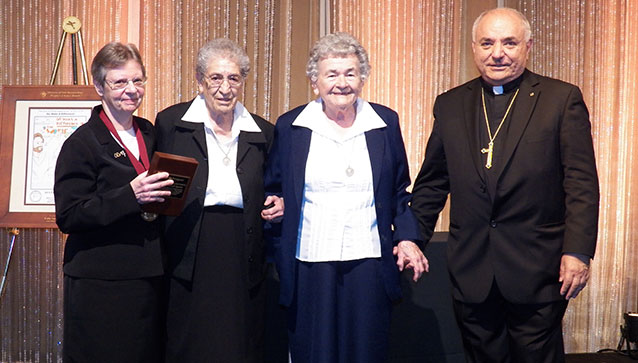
pixel 181 234
pixel 546 197
pixel 95 205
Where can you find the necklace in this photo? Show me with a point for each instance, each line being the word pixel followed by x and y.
pixel 349 168
pixel 490 146
pixel 226 159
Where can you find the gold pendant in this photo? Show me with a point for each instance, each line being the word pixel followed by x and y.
pixel 490 152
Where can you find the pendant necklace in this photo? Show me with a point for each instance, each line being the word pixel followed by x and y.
pixel 226 159
pixel 349 168
pixel 490 146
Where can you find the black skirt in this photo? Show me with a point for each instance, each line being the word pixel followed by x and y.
pixel 216 317
pixel 113 320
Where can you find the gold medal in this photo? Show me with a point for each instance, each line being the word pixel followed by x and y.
pixel 149 217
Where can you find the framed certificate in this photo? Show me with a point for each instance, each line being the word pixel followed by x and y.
pixel 36 120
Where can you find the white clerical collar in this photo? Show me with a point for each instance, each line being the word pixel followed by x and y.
pixel 242 119
pixel 498 90
pixel 313 117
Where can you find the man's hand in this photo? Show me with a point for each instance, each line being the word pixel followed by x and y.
pixel 574 274
pixel 410 256
pixel 273 209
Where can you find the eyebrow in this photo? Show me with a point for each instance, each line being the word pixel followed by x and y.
pixel 346 71
pixel 507 39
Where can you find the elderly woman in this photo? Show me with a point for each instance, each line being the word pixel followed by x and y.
pixel 216 252
pixel 340 165
pixel 113 264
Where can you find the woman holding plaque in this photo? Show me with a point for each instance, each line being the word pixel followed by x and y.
pixel 113 267
pixel 216 252
pixel 340 164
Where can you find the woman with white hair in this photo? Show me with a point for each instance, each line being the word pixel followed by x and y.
pixel 216 252
pixel 339 163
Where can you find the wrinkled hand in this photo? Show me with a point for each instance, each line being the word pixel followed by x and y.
pixel 409 255
pixel 147 188
pixel 574 274
pixel 276 212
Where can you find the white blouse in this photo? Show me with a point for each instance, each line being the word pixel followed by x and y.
pixel 130 141
pixel 223 186
pixel 338 217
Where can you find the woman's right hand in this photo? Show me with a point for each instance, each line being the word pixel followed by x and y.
pixel 148 188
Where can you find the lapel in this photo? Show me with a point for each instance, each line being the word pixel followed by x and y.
pixel 105 138
pixel 376 148
pixel 149 141
pixel 471 124
pixel 521 114
pixel 300 145
pixel 245 143
pixel 197 132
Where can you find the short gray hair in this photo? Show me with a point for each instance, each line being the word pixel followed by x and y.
pixel 337 45
pixel 221 48
pixel 111 56
pixel 524 21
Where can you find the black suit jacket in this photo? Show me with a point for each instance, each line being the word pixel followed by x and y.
pixel 546 197
pixel 96 206
pixel 181 234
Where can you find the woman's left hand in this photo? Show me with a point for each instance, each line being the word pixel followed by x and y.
pixel 409 255
pixel 275 212
pixel 148 188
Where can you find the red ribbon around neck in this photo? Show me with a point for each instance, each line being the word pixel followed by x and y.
pixel 139 167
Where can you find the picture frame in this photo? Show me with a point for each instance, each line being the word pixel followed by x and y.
pixel 35 121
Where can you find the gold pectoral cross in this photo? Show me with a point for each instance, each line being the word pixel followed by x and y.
pixel 489 151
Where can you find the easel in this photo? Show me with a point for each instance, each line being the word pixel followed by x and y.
pixel 13 232
pixel 71 25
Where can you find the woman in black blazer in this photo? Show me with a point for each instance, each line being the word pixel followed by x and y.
pixel 112 258
pixel 216 252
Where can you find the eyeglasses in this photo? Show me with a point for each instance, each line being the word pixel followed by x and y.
pixel 216 80
pixel 123 83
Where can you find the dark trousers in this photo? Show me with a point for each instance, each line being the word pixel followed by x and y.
pixel 340 313
pixel 113 321
pixel 497 330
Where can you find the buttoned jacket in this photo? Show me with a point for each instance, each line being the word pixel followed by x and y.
pixel 545 202
pixel 177 136
pixel 96 206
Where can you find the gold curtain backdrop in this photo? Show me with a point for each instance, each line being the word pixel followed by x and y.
pixel 418 49
pixel 172 31
pixel 413 47
pixel 30 32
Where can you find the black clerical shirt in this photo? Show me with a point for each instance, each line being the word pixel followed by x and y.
pixel 496 106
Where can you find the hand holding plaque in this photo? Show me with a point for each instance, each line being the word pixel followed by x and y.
pixel 181 170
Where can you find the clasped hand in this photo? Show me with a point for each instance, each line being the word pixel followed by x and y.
pixel 409 256
pixel 275 212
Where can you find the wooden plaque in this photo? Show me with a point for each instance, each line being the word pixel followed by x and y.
pixel 181 169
